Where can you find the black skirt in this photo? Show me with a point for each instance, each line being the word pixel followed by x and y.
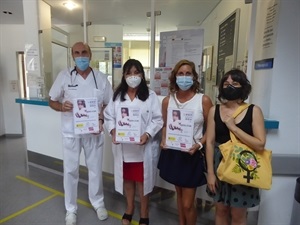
pixel 181 168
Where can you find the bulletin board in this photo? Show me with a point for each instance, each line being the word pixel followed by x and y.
pixel 181 44
pixel 227 44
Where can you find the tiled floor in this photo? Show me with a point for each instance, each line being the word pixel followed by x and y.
pixel 33 196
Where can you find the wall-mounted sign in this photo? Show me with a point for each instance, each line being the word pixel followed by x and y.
pixel 227 44
pixel 264 64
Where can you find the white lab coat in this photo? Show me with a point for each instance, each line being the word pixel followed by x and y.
pixel 151 123
pixel 68 86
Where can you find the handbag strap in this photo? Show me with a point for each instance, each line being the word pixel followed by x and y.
pixel 240 109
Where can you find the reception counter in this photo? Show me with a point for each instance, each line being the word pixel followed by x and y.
pixel 44 138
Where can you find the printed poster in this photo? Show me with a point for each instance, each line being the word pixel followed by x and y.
pixel 128 124
pixel 161 80
pixel 180 129
pixel 270 13
pixel 85 114
pixel 181 44
pixel 117 53
pixel 32 59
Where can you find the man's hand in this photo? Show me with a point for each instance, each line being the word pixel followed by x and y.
pixel 67 106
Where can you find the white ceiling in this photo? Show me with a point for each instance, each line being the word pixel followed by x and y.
pixel 129 13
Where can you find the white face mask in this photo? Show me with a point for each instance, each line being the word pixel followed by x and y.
pixel 133 81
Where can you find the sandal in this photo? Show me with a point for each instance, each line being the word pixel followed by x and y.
pixel 126 219
pixel 144 221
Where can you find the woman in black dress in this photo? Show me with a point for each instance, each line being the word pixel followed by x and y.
pixel 232 201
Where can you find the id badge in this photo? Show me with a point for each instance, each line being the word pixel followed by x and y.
pixel 72 87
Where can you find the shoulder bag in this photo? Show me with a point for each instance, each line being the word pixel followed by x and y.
pixel 243 166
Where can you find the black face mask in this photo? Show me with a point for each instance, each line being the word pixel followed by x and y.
pixel 232 93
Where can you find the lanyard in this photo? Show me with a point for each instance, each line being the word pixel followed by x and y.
pixel 72 80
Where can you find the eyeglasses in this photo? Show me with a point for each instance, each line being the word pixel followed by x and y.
pixel 234 84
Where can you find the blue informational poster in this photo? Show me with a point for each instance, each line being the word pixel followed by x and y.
pixel 117 53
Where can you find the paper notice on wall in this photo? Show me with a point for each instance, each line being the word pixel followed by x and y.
pixel 228 63
pixel 181 44
pixel 270 12
pixel 117 53
pixel 161 80
pixel 13 86
pixel 35 81
pixel 32 59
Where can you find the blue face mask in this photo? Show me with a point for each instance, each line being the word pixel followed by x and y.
pixel 184 82
pixel 82 63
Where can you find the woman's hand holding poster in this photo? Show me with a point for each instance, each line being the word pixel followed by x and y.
pixel 128 124
pixel 180 126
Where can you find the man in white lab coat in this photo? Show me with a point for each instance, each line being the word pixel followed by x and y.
pixel 81 82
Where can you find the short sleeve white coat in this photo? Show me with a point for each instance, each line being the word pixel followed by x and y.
pixel 69 85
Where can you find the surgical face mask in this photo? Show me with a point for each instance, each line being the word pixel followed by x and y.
pixel 133 81
pixel 82 63
pixel 232 93
pixel 184 82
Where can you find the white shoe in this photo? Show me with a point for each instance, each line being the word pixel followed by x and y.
pixel 102 213
pixel 70 218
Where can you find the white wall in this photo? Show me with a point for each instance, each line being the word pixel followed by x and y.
pixel 2 130
pixel 2 127
pixel 284 82
pixel 113 33
pixel 282 104
pixel 11 41
pixel 276 91
pixel 211 32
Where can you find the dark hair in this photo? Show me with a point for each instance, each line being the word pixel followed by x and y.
pixel 81 101
pixel 173 87
pixel 142 90
pixel 177 113
pixel 238 76
pixel 125 109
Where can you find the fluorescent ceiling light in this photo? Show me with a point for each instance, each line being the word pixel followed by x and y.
pixel 69 5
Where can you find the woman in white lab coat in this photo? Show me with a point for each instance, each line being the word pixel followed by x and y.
pixel 135 163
